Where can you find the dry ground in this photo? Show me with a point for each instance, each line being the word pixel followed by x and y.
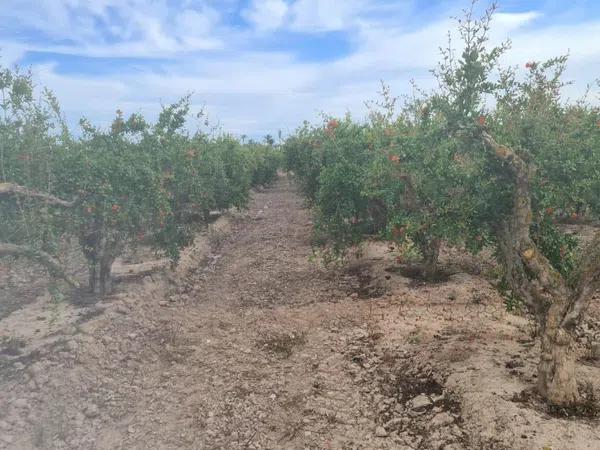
pixel 249 344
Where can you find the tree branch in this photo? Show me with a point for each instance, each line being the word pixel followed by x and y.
pixel 522 215
pixel 9 189
pixel 43 258
pixel 529 271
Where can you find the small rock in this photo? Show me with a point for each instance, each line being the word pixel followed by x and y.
pixel 163 303
pixel 420 402
pixel 91 411
pixel 121 309
pixel 438 398
pixel 393 423
pixel 380 432
pixel 441 420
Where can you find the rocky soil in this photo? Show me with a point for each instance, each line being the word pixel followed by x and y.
pixel 251 345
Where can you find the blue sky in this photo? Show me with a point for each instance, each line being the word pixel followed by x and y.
pixel 256 66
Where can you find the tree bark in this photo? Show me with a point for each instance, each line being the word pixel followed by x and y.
pixel 99 251
pixel 100 274
pixel 431 253
pixel 555 304
pixel 557 381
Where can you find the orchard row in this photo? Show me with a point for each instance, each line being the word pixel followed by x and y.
pixel 494 157
pixel 111 189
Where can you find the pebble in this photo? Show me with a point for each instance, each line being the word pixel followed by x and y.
pixel 91 411
pixel 380 432
pixel 122 310
pixel 420 402
pixel 442 419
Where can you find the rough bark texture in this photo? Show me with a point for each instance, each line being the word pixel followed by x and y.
pixel 556 305
pixel 100 278
pixel 100 252
pixel 431 253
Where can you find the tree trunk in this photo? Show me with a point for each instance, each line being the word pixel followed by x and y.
pixel 557 382
pixel 431 253
pixel 100 253
pixel 554 303
pixel 100 278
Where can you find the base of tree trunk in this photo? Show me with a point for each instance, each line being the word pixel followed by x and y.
pixel 556 372
pixel 431 253
pixel 100 278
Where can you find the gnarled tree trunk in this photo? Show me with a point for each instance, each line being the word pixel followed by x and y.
pixel 431 254
pixel 100 251
pixel 557 381
pixel 100 273
pixel 555 304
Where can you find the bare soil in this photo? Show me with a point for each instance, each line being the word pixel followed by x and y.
pixel 250 344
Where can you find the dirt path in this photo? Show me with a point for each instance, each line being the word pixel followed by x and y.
pixel 255 346
pixel 239 354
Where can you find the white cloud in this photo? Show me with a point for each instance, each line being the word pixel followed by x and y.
pixel 258 92
pixel 266 15
pixel 11 53
pixel 141 28
pixel 511 21
pixel 325 15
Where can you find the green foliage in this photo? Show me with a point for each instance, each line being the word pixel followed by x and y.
pixel 416 173
pixel 265 161
pixel 29 150
pixel 559 247
pixel 135 181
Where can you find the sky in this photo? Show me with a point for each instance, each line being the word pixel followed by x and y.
pixel 259 66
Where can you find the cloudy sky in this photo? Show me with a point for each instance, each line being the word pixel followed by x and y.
pixel 257 66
